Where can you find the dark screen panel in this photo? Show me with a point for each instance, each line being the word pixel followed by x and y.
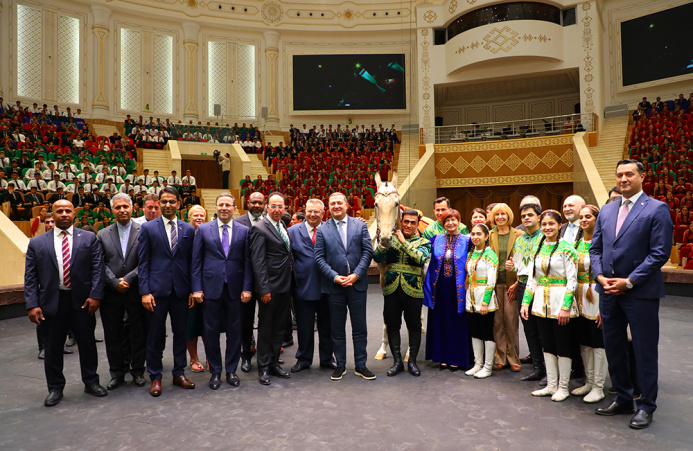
pixel 349 82
pixel 656 46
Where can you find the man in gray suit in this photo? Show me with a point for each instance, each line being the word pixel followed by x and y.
pixel 343 252
pixel 119 242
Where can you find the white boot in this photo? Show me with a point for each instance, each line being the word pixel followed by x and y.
pixel 564 367
pixel 489 354
pixel 597 392
pixel 551 376
pixel 478 346
pixel 588 361
pixel 382 352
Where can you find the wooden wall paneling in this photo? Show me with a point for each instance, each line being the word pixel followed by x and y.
pixel 206 172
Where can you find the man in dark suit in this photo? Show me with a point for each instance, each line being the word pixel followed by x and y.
pixel 120 242
pixel 255 206
pixel 273 272
pixel 63 286
pixel 631 243
pixel 307 295
pixel 222 279
pixel 165 255
pixel 343 252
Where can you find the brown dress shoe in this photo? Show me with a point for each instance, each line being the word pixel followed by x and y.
pixel 515 368
pixel 155 389
pixel 497 366
pixel 183 382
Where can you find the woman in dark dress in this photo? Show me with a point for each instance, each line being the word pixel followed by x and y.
pixel 448 341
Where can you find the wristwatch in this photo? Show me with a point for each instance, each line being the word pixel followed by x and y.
pixel 629 284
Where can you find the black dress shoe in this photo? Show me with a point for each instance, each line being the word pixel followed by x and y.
pixel 115 382
pixel 53 398
pixel 413 368
pixel 364 373
pixel 264 377
pixel 536 375
pixel 526 359
pixel 640 420
pixel 395 369
pixel 288 344
pixel 95 390
pixel 67 350
pixel 215 381
pixel 139 381
pixel 70 342
pixel 41 354
pixel 245 365
pixel 279 372
pixel 338 373
pixel 616 409
pixel 298 368
pixel 233 380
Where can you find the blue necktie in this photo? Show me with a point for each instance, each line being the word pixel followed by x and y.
pixel 174 236
pixel 342 232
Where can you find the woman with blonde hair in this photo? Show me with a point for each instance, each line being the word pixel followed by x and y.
pixel 196 215
pixel 506 322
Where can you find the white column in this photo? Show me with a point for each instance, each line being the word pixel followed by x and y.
pixel 591 93
pixel 191 32
pixel 272 54
pixel 100 105
pixel 424 41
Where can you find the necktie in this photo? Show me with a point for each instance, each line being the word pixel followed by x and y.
pixel 225 239
pixel 315 231
pixel 174 236
pixel 342 232
pixel 66 261
pixel 284 237
pixel 622 216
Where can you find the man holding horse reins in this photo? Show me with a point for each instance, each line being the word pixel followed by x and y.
pixel 405 256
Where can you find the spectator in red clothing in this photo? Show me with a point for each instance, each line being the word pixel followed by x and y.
pixel 660 190
pixel 686 245
pixel 686 175
pixel 671 201
pixel 679 188
pixel 684 218
pixel 687 201
pixel 650 178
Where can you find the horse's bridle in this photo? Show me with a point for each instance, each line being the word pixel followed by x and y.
pixel 395 227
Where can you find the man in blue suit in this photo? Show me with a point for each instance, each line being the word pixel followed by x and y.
pixel 222 277
pixel 63 288
pixel 309 299
pixel 631 243
pixel 165 254
pixel 343 252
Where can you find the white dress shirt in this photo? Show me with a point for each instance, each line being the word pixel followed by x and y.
pixel 58 245
pixel 191 180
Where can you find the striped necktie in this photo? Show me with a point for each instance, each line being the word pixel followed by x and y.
pixel 174 236
pixel 66 261
pixel 284 237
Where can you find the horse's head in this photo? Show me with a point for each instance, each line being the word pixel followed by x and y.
pixel 387 211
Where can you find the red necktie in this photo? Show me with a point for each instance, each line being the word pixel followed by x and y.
pixel 66 261
pixel 315 231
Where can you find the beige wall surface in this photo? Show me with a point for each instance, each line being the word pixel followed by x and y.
pixel 13 246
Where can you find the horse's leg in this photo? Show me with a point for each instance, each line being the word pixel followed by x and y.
pixel 382 352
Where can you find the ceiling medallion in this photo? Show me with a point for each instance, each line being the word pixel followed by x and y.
pixel 272 12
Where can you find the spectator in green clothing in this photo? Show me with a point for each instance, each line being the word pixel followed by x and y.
pixel 440 210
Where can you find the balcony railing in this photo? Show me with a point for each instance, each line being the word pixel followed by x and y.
pixel 525 128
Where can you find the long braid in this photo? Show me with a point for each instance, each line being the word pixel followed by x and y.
pixel 534 269
pixel 548 267
pixel 578 237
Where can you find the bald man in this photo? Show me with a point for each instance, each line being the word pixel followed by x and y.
pixel 571 210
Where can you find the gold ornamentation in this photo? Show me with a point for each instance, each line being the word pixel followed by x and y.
pixel 531 160
pixel 513 162
pixel 452 7
pixel 272 12
pixel 567 157
pixel 478 164
pixel 509 144
pixel 461 165
pixel 444 165
pixel 561 177
pixel 550 159
pixel 503 39
pixel 430 16
pixel 495 163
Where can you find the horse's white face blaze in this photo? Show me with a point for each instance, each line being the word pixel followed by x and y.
pixel 387 211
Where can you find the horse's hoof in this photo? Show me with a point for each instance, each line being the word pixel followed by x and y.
pixel 380 356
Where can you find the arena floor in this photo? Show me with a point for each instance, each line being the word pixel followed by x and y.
pixel 439 410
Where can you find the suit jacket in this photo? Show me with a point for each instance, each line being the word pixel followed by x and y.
pixel 306 271
pixel 564 227
pixel 333 260
pixel 209 264
pixel 31 198
pixel 510 276
pixel 42 279
pixel 245 220
pixel 116 266
pixel 160 270
pixel 272 261
pixel 641 248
